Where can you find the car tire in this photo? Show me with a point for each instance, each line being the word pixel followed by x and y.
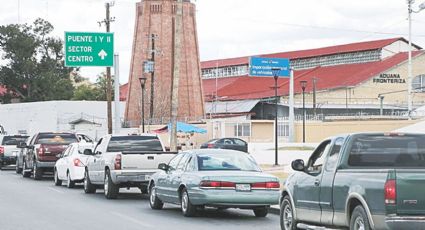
pixel 144 190
pixel 69 182
pixel 187 207
pixel 287 220
pixel 261 212
pixel 17 169
pixel 88 186
pixel 56 179
pixel 111 189
pixel 37 172
pixel 25 173
pixel 154 201
pixel 359 219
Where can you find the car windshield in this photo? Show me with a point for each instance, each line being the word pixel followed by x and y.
pixel 56 138
pixel 388 151
pixel 135 144
pixel 13 140
pixel 227 161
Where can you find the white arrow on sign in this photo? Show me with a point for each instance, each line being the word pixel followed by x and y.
pixel 102 54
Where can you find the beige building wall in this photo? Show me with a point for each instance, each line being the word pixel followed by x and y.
pixel 368 91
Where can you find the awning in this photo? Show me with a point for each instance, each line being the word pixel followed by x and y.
pixel 181 128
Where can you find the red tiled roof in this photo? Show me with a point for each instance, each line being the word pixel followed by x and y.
pixel 330 77
pixel 346 48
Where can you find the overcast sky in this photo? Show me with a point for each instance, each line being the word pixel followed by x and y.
pixel 232 28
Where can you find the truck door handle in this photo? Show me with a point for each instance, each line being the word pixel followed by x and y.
pixel 317 182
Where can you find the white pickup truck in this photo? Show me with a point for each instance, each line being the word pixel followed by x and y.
pixel 8 149
pixel 119 161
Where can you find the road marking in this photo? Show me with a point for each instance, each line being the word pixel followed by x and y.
pixel 53 189
pixel 136 221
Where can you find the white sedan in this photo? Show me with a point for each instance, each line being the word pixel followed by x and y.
pixel 71 165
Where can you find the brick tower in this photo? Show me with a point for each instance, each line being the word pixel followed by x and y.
pixel 153 39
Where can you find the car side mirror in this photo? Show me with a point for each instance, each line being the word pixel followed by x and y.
pixel 88 152
pixel 163 166
pixel 298 165
pixel 21 145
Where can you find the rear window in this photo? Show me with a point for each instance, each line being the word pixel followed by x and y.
pixel 134 144
pixel 388 151
pixel 56 138
pixel 13 140
pixel 227 161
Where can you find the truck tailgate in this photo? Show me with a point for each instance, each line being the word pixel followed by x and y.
pixel 142 161
pixel 11 151
pixel 410 191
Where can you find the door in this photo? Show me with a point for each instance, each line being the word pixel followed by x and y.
pixel 162 186
pixel 95 161
pixel 61 164
pixel 307 189
pixel 176 178
pixel 326 187
pixel 240 145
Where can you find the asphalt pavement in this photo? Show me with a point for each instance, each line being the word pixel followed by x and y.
pixel 26 204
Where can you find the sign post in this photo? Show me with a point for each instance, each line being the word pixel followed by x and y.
pixel 272 67
pixel 89 49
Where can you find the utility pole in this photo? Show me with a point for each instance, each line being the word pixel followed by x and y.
pixel 107 21
pixel 314 96
pixel 152 79
pixel 176 73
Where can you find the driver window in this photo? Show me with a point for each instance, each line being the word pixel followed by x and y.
pixel 333 155
pixel 66 152
pixel 97 146
pixel 175 161
pixel 183 161
pixel 318 157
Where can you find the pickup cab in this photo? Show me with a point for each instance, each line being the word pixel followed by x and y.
pixel 358 181
pixel 119 161
pixel 43 151
pixel 9 149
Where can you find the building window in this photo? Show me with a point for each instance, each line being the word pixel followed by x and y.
pixel 242 129
pixel 418 83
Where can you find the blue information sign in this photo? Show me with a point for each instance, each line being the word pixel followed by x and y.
pixel 262 67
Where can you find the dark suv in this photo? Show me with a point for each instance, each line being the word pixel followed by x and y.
pixel 42 152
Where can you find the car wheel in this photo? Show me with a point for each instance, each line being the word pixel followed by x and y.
pixel 25 173
pixel 88 186
pixel 261 212
pixel 17 169
pixel 111 189
pixel 359 219
pixel 38 173
pixel 287 220
pixel 69 182
pixel 188 208
pixel 154 201
pixel 58 182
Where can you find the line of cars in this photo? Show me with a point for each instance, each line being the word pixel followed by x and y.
pixel 195 179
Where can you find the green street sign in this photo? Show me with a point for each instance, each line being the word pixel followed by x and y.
pixel 89 49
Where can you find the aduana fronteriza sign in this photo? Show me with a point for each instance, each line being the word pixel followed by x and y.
pixel 389 78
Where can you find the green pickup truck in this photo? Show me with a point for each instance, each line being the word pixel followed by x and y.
pixel 358 181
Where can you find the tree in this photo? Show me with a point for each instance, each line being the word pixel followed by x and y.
pixel 94 92
pixel 34 69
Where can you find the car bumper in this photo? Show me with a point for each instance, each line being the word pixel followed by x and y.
pixel 406 222
pixel 46 164
pixel 77 173
pixel 131 176
pixel 232 198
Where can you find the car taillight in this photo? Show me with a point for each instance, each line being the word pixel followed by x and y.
pixel 390 192
pixel 210 146
pixel 40 151
pixel 1 150
pixel 265 185
pixel 217 184
pixel 117 164
pixel 78 163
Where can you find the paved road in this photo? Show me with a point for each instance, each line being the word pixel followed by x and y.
pixel 26 204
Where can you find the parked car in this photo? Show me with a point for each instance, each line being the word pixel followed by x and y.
pixel 214 178
pixel 358 181
pixel 8 149
pixel 71 165
pixel 124 161
pixel 226 143
pixel 43 152
pixel 21 153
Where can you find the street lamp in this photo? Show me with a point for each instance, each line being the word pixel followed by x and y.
pixel 303 86
pixel 409 67
pixel 276 72
pixel 142 83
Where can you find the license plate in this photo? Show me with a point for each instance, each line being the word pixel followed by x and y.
pixel 243 187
